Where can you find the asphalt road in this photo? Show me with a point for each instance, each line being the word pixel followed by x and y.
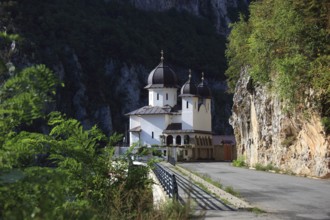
pixel 283 196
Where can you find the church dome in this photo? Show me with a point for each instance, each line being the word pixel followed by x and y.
pixel 162 76
pixel 203 90
pixel 189 88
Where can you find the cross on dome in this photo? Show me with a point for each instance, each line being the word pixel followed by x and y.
pixel 162 55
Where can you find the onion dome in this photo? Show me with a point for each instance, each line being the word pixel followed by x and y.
pixel 162 76
pixel 203 90
pixel 189 88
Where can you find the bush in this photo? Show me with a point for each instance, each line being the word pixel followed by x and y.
pixel 259 166
pixel 239 162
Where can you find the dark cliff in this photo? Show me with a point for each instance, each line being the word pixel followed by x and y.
pixel 103 51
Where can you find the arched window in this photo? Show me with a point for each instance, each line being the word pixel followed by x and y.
pixel 157 96
pixel 169 140
pixel 166 96
pixel 186 139
pixel 178 140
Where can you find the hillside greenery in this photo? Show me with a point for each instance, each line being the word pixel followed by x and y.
pixel 285 45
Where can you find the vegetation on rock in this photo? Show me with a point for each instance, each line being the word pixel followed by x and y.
pixel 285 45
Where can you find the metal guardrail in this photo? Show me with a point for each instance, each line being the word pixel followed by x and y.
pixel 167 180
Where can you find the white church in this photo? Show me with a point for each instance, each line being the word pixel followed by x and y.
pixel 179 124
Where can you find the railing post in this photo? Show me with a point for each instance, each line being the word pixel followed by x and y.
pixel 174 188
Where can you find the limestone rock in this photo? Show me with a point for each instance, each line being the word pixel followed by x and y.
pixel 267 134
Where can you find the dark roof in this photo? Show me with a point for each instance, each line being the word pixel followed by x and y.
pixel 162 77
pixel 203 90
pixel 174 126
pixel 136 129
pixel 152 110
pixel 177 128
pixel 186 131
pixel 189 88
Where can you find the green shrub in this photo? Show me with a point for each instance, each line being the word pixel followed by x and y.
pixel 259 166
pixel 239 162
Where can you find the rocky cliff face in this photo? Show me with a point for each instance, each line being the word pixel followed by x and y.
pixel 124 92
pixel 267 134
pixel 220 12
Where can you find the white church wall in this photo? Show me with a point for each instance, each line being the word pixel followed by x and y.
pixel 176 119
pixel 134 138
pixel 162 96
pixel 134 121
pixel 152 127
pixel 202 120
pixel 189 110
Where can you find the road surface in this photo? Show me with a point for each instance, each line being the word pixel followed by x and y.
pixel 208 205
pixel 283 196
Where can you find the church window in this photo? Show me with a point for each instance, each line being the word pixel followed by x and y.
pixel 178 140
pixel 186 139
pixel 157 96
pixel 166 96
pixel 152 135
pixel 187 104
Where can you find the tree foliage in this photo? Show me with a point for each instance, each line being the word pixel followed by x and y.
pixel 285 44
pixel 65 172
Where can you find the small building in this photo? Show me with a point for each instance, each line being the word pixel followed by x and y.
pixel 179 124
pixel 224 147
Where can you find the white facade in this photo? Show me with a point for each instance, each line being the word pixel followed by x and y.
pixel 166 122
pixel 163 96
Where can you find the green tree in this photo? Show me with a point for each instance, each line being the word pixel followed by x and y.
pixel 24 98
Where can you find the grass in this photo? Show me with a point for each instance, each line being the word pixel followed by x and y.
pixel 239 162
pixel 257 211
pixel 230 189
pixel 268 167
